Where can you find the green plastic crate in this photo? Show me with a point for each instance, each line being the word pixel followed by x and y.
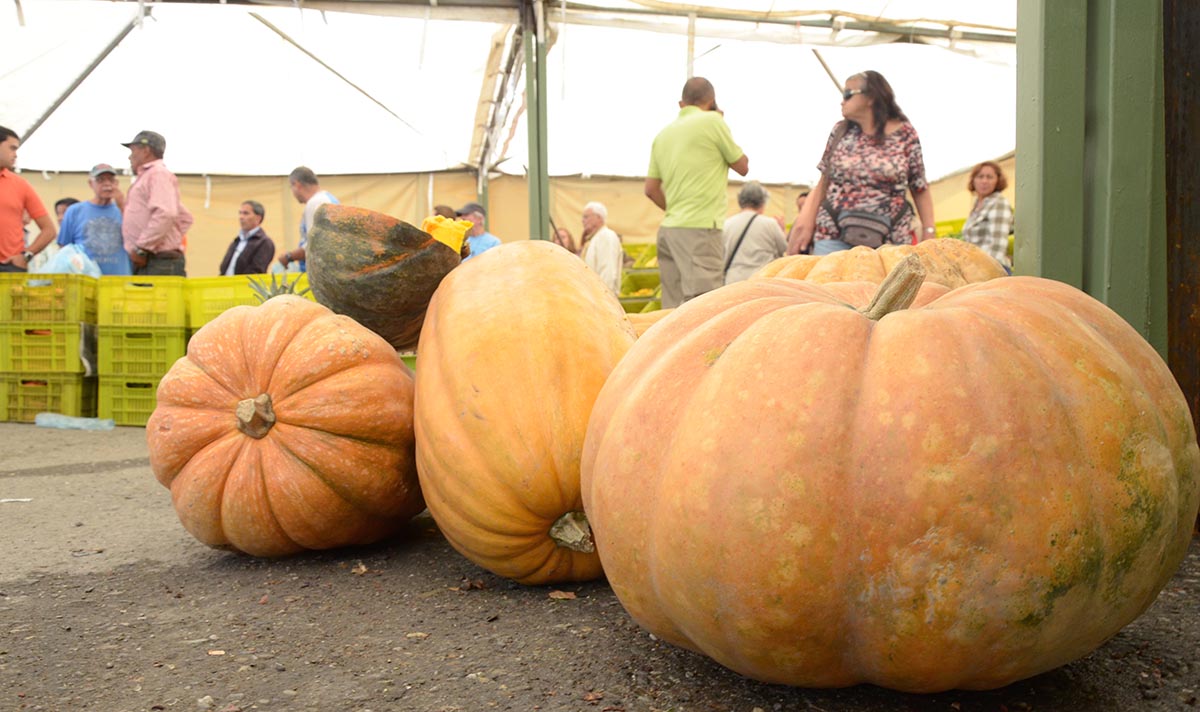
pixel 48 297
pixel 142 301
pixel 146 352
pixel 127 400
pixel 47 347
pixel 634 280
pixel 24 395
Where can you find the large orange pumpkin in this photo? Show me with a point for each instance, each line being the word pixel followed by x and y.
pixel 286 427
pixel 376 269
pixel 515 347
pixel 954 496
pixel 952 263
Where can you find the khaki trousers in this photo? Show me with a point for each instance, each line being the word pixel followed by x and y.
pixel 691 261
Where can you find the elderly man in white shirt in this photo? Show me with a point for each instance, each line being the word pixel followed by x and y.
pixel 601 247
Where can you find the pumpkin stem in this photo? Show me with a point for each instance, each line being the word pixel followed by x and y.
pixel 255 416
pixel 571 531
pixel 898 290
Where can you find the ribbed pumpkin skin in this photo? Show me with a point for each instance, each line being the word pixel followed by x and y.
pixel 376 269
pixel 337 468
pixel 516 345
pixel 949 262
pixel 955 496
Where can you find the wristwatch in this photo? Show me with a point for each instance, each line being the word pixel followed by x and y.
pixel 931 231
pixel 28 255
pixel 140 252
pixel 287 259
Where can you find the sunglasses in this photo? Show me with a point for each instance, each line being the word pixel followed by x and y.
pixel 847 93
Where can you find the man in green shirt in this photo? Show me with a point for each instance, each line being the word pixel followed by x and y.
pixel 689 170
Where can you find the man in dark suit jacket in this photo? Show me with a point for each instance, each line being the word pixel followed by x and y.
pixel 251 251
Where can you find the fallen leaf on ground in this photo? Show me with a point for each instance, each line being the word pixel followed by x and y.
pixel 216 652
pixel 562 595
pixel 417 636
pixel 593 697
pixel 360 569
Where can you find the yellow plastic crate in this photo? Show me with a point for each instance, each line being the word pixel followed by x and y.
pixel 209 297
pixel 48 297
pixel 24 395
pixel 47 347
pixel 127 400
pixel 146 352
pixel 142 301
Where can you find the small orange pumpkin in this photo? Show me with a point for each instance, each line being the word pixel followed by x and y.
pixel 286 427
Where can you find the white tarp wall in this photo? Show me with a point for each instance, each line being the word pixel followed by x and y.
pixel 234 98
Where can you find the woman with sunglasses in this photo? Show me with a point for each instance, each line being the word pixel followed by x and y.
pixel 872 158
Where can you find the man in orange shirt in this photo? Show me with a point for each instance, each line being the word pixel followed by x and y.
pixel 16 199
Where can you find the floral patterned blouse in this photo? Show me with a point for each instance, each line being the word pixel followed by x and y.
pixel 865 173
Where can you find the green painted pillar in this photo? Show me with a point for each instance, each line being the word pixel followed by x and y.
pixel 535 40
pixel 1090 168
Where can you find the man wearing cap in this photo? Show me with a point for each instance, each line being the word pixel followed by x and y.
pixel 16 200
pixel 306 189
pixel 155 219
pixel 479 239
pixel 251 251
pixel 95 225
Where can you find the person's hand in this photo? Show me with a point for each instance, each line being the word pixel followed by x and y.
pixel 285 259
pixel 137 260
pixel 782 223
pixel 18 261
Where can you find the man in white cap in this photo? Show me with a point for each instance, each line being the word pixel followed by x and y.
pixel 155 219
pixel 95 225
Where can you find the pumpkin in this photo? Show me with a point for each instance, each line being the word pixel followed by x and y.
pixel 644 320
pixel 516 345
pixel 959 495
pixel 376 269
pixel 285 428
pixel 949 262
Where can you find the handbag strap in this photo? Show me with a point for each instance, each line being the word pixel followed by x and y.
pixel 729 260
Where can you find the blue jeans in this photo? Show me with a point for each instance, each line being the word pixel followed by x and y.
pixel 828 247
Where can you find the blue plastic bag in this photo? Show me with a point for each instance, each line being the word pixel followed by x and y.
pixel 71 260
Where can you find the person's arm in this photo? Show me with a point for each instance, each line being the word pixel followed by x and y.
pixel 655 193
pixel 741 166
pixel 260 261
pixel 924 202
pixel 298 255
pixel 806 222
pixel 45 237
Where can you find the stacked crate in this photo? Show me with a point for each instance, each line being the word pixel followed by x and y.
pixel 142 332
pixel 209 297
pixel 47 345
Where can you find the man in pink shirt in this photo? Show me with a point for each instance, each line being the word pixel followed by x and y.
pixel 155 219
pixel 16 200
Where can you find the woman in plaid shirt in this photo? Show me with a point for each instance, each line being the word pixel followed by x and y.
pixel 991 219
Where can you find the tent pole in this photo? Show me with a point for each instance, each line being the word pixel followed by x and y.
pixel 533 24
pixel 83 77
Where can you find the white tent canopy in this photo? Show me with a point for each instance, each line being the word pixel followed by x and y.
pixel 257 90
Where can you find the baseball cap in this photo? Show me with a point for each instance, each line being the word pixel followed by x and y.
pixel 100 169
pixel 148 138
pixel 471 208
